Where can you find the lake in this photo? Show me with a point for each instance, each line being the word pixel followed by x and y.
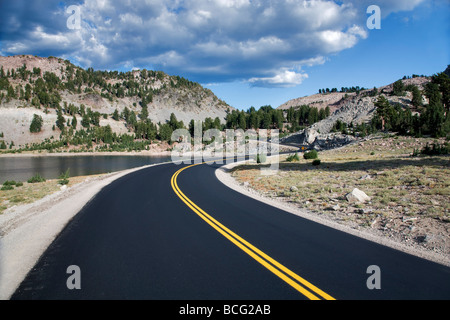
pixel 21 169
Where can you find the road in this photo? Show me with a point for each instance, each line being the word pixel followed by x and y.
pixel 176 232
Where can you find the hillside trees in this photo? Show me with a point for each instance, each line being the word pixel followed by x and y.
pixel 398 88
pixel 434 118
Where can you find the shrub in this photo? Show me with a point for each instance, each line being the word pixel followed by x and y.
pixel 7 187
pixel 434 150
pixel 19 184
pixel 260 158
pixel 313 154
pixel 36 179
pixel 64 178
pixel 293 157
pixel 9 183
pixel 316 162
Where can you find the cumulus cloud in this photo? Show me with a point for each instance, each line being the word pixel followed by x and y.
pixel 265 43
pixel 283 79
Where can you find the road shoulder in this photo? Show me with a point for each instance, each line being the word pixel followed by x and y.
pixel 225 177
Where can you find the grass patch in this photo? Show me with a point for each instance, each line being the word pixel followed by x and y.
pixel 293 157
pixel 30 192
pixel 36 179
pixel 383 168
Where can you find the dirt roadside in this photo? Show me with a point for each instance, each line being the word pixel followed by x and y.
pixel 395 235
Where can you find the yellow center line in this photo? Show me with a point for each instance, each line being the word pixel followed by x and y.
pixel 272 265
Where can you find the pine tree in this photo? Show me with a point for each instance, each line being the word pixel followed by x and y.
pixel 86 121
pixel 417 97
pixel 74 122
pixel 144 113
pixel 398 88
pixel 383 110
pixel 60 120
pixel 115 115
pixel 36 124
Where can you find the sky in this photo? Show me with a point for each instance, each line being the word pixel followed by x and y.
pixel 248 52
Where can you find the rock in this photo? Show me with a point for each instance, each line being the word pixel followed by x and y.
pixel 64 187
pixel 334 208
pixel 357 196
pixel 294 189
pixel 424 238
pixel 434 202
pixel 246 184
pixel 310 135
pixel 363 211
pixel 366 177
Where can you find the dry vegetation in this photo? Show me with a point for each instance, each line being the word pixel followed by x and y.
pixel 31 192
pixel 409 195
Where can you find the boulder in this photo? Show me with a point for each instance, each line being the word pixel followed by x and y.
pixel 310 135
pixel 357 196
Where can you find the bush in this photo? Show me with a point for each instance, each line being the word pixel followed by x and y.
pixel 64 178
pixel 36 179
pixel 293 157
pixel 316 162
pixel 434 150
pixel 19 184
pixel 261 158
pixel 7 187
pixel 9 183
pixel 313 154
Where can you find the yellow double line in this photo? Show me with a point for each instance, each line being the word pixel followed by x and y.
pixel 291 278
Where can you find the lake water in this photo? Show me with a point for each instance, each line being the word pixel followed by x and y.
pixel 23 168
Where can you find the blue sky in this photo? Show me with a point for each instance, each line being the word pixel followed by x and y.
pixel 249 52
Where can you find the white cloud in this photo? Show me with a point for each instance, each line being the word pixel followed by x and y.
pixel 264 42
pixel 284 78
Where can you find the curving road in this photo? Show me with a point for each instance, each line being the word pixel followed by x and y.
pixel 175 232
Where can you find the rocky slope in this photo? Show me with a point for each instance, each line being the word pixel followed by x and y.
pixel 351 108
pixel 101 91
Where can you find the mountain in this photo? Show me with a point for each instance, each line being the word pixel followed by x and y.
pixel 35 85
pixel 352 108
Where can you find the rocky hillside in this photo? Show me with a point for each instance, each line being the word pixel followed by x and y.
pixel 33 85
pixel 347 108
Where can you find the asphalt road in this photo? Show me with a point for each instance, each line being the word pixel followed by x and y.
pixel 153 235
